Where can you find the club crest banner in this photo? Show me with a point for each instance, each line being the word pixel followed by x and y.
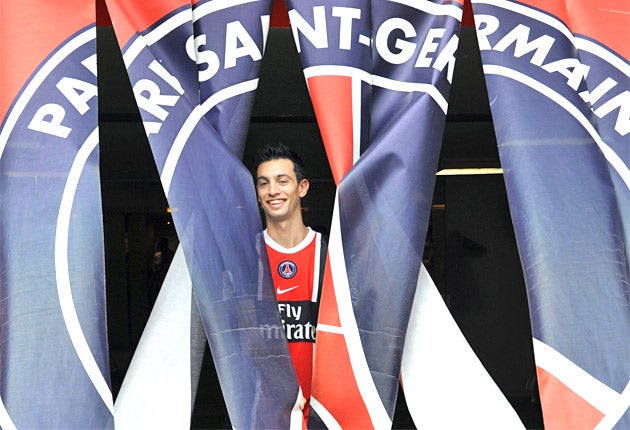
pixel 558 81
pixel 194 70
pixel 378 75
pixel 53 338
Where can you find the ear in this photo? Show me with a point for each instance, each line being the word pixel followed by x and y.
pixel 303 187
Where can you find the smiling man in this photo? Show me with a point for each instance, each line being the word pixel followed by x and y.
pixel 296 255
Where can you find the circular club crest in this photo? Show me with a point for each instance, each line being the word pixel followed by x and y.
pixel 287 269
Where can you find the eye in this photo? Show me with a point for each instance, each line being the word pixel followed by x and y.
pixel 284 181
pixel 262 184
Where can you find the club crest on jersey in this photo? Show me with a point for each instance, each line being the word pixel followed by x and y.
pixel 287 269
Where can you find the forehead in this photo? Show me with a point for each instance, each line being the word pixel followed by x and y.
pixel 273 168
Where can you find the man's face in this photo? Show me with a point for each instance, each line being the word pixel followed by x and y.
pixel 278 189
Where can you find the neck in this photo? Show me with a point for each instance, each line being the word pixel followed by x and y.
pixel 286 233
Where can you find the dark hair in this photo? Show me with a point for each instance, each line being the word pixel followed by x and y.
pixel 280 151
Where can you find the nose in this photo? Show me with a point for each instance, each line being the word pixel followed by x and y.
pixel 273 187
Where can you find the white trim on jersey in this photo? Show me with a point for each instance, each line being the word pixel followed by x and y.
pixel 297 248
pixel 317 267
pixel 300 246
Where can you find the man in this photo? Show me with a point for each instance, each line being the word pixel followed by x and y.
pixel 296 254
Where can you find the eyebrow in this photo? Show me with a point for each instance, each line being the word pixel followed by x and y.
pixel 281 175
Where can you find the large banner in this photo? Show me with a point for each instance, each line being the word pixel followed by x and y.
pixel 379 75
pixel 194 69
pixel 54 370
pixel 558 81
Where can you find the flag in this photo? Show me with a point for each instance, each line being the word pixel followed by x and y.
pixel 378 75
pixel 444 382
pixel 558 82
pixel 157 391
pixel 54 370
pixel 194 69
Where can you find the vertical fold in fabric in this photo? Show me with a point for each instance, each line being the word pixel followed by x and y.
pixel 558 82
pixel 444 382
pixel 194 70
pixel 54 370
pixel 378 75
pixel 157 391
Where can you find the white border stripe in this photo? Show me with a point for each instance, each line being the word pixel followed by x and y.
pixel 40 76
pixel 187 128
pixel 601 52
pixel 328 419
pixel 330 328
pixel 317 266
pixel 329 70
pixel 530 13
pixel 579 381
pixel 6 422
pixel 177 20
pixel 62 273
pixel 433 8
pixel 217 5
pixel 297 416
pixel 410 87
pixel 360 368
pixel 471 171
pixel 579 42
pixel 378 81
pixel 610 155
pixel 445 383
pixel 614 414
pixel 156 391
pixel 141 42
pixel 356 120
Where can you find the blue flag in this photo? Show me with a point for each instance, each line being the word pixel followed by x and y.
pixel 558 82
pixel 54 370
pixel 378 74
pixel 194 72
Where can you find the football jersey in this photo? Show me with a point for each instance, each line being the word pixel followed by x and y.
pixel 296 279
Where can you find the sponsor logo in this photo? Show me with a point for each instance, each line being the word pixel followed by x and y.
pixel 298 323
pixel 287 269
pixel 286 290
